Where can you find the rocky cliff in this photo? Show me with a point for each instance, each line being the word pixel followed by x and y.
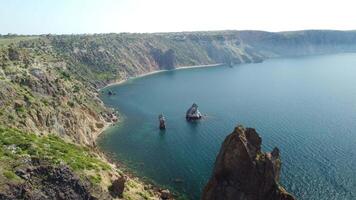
pixel 39 94
pixel 243 172
pixel 103 58
pixel 49 83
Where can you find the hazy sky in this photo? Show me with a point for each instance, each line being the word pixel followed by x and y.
pixel 103 16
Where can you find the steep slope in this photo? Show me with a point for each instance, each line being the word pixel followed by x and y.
pixel 49 84
pixel 38 94
pixel 48 125
pixel 243 172
pixel 300 43
pixel 102 58
pixel 47 167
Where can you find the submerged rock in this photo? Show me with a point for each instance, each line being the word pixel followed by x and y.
pixel 110 93
pixel 243 172
pixel 193 113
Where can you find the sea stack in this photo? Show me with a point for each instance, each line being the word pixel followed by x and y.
pixel 162 122
pixel 243 172
pixel 193 113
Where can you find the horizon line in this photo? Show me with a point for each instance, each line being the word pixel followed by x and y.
pixel 172 32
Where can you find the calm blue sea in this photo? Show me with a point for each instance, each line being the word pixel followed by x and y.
pixel 306 106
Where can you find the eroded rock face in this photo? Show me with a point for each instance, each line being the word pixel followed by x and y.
pixel 243 172
pixel 164 59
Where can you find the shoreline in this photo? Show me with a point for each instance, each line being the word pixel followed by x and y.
pixel 160 71
pixel 121 166
pixel 109 124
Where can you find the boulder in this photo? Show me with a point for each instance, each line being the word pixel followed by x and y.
pixel 166 194
pixel 243 172
pixel 117 187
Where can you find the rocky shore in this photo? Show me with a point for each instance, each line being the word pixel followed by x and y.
pixel 49 88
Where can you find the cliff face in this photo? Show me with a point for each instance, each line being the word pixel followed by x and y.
pixel 243 172
pixel 103 58
pixel 49 83
pixel 39 94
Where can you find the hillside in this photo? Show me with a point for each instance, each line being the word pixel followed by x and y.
pixel 110 57
pixel 49 84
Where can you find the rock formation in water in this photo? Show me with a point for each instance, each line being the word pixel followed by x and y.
pixel 243 172
pixel 49 83
pixel 162 122
pixel 193 113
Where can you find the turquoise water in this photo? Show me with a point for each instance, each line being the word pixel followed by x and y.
pixel 306 106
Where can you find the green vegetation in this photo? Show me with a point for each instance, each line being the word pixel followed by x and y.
pixel 95 179
pixel 48 83
pixel 10 175
pixel 16 144
pixel 10 39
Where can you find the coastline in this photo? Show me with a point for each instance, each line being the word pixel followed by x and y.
pixel 160 71
pixel 109 124
pixel 120 166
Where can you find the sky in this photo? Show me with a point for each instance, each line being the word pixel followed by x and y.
pixel 113 16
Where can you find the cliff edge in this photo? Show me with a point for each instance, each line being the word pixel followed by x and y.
pixel 243 172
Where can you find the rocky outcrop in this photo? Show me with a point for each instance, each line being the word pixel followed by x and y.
pixel 162 122
pixel 43 181
pixel 166 195
pixel 243 172
pixel 193 113
pixel 117 187
pixel 44 98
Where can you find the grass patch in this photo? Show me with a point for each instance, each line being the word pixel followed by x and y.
pixel 20 109
pixel 15 144
pixel 95 179
pixel 7 40
pixel 10 175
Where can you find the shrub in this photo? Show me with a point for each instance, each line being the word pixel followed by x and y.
pixel 9 175
pixel 70 103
